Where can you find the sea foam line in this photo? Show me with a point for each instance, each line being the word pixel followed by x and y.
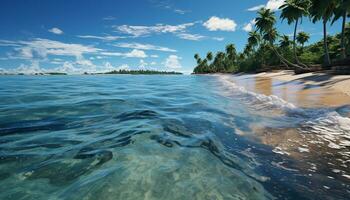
pixel 325 123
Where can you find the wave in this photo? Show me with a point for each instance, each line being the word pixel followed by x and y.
pixel 261 100
pixel 332 125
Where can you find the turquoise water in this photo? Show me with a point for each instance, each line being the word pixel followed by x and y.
pixel 165 137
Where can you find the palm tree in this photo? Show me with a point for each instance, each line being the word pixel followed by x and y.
pixel 209 56
pixel 347 36
pixel 253 38
pixel 302 38
pixel 285 42
pixel 323 10
pixel 293 11
pixel 247 50
pixel 209 59
pixel 204 66
pixel 198 59
pixel 342 10
pixel 265 23
pixel 231 54
pixel 219 61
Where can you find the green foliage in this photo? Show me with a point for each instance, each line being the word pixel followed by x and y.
pixel 293 10
pixel 262 52
pixel 143 72
pixel 302 38
pixel 223 62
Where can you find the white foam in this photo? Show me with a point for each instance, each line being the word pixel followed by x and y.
pixel 279 150
pixel 302 150
pixel 270 101
pixel 327 124
pixel 331 128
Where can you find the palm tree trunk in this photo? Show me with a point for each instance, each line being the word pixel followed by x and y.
pixel 283 60
pixel 325 43
pixel 295 45
pixel 343 36
pixel 294 41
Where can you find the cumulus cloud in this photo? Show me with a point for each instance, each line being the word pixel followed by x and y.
pixel 54 53
pixel 143 64
pixel 173 62
pixel 136 54
pixel 271 4
pixel 187 36
pixel 249 26
pixel 105 38
pixel 274 4
pixel 138 31
pixel 66 67
pixel 56 31
pixel 220 24
pixel 144 47
pixel 39 49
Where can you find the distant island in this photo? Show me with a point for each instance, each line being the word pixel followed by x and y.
pixel 140 72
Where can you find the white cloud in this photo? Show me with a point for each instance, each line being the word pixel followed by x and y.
pixel 181 12
pixel 56 31
pixel 249 26
pixel 256 8
pixel 30 69
pixel 51 52
pixel 154 56
pixel 274 4
pixel 66 67
pixel 153 63
pixel 144 47
pixel 218 38
pixel 220 24
pixel 135 53
pixel 41 48
pixel 168 5
pixel 8 43
pixel 187 36
pixel 124 67
pixel 143 64
pixel 173 62
pixel 106 38
pixel 271 4
pixel 138 31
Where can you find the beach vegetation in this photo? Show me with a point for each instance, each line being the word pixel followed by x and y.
pixel 267 49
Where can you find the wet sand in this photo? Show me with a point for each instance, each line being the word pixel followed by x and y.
pixel 320 147
pixel 304 90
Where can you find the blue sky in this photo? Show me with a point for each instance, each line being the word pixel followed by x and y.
pixel 97 36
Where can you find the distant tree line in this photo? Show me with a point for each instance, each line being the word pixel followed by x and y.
pixel 146 72
pixel 266 47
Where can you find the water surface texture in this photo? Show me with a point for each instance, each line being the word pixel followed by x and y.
pixel 165 137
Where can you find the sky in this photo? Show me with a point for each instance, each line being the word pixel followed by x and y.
pixel 99 36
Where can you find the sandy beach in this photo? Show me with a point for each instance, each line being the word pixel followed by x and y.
pixel 304 90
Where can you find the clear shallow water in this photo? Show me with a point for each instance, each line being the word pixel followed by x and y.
pixel 165 137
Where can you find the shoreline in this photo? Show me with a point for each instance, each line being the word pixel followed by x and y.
pixel 317 89
pixel 320 79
